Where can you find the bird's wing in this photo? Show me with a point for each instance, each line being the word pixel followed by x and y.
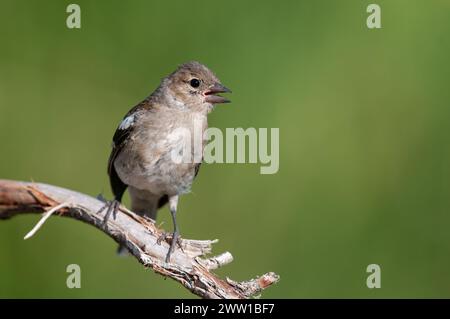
pixel 120 139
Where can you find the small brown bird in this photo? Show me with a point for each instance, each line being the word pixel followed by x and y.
pixel 145 141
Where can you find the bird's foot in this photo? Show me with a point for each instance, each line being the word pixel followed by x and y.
pixel 167 237
pixel 162 237
pixel 172 238
pixel 111 206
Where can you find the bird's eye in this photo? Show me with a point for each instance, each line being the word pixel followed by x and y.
pixel 195 83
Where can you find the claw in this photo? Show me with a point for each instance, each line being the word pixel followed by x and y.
pixel 161 238
pixel 174 240
pixel 112 207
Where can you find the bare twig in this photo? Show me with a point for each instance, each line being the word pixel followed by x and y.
pixel 138 234
pixel 44 218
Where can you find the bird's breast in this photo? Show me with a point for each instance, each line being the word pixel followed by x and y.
pixel 163 155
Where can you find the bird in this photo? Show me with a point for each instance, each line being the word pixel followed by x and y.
pixel 145 141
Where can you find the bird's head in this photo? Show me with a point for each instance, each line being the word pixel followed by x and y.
pixel 194 85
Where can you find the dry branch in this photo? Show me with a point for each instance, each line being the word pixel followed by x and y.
pixel 188 265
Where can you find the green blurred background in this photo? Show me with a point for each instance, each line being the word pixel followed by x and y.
pixel 364 124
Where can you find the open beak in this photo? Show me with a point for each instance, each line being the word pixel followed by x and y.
pixel 211 94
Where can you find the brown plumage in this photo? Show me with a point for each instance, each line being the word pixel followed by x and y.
pixel 145 141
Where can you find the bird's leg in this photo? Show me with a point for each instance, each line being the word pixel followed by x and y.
pixel 173 203
pixel 111 206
